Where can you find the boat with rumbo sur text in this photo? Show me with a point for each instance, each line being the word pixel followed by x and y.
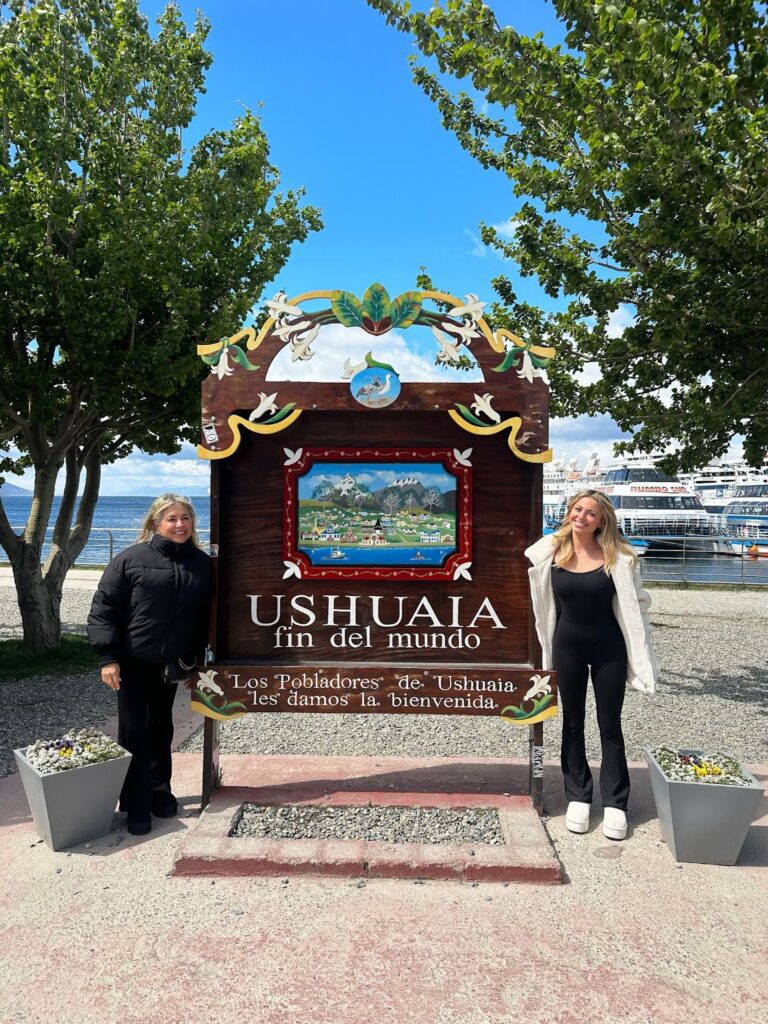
pixel 656 510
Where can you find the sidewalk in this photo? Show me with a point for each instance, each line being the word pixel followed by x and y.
pixel 76 579
pixel 105 933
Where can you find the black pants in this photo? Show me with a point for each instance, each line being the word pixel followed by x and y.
pixel 145 728
pixel 572 663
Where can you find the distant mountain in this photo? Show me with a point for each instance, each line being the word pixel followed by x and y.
pixel 14 491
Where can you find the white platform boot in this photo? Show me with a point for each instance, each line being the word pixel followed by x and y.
pixel 577 816
pixel 614 823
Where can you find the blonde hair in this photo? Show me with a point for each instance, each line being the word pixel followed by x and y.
pixel 157 510
pixel 607 535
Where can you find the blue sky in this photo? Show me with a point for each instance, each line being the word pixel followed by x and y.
pixel 332 84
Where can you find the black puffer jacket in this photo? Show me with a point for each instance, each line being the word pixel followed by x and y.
pixel 152 603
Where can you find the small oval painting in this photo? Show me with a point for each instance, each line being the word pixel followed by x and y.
pixel 375 387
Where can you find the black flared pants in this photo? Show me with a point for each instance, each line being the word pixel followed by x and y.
pixel 608 662
pixel 145 728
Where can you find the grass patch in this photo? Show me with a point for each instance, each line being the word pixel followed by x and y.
pixel 74 655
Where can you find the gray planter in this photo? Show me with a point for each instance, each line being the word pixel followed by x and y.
pixel 76 805
pixel 702 823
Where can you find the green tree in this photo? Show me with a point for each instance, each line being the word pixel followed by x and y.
pixel 121 252
pixel 638 156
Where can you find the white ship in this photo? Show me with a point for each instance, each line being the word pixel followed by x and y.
pixel 745 517
pixel 561 481
pixel 660 512
pixel 716 482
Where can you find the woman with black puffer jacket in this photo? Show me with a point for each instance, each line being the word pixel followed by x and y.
pixel 148 622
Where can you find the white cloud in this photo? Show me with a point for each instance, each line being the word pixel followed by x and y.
pixel 156 473
pixel 506 229
pixel 335 343
pixel 619 320
pixel 584 436
pixel 478 248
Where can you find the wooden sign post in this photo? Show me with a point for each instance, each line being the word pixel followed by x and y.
pixel 368 531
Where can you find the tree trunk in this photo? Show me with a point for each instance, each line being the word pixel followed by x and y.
pixel 39 588
pixel 39 606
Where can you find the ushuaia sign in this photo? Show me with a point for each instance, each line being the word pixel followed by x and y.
pixel 368 529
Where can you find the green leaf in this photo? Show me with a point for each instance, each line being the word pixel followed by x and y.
pixel 470 417
pixel 233 707
pixel 281 413
pixel 515 711
pixel 347 308
pixel 374 362
pixel 376 304
pixel 405 309
pixel 508 361
pixel 240 357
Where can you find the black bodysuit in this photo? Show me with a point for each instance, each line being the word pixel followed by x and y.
pixel 587 636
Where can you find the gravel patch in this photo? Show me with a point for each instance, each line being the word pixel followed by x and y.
pixel 713 694
pixel 433 825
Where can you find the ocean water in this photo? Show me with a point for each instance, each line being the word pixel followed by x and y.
pixel 117 520
pixel 116 523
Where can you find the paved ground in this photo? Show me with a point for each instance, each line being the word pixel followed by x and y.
pixel 107 934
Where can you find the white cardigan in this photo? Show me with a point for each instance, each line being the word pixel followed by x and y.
pixel 631 604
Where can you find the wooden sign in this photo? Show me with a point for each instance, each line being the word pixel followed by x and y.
pixel 368 528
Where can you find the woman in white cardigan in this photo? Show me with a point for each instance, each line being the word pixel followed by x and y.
pixel 591 615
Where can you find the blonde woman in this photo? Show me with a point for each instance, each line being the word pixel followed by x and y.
pixel 591 615
pixel 148 623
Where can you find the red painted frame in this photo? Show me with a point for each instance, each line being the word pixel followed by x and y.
pixel 311 456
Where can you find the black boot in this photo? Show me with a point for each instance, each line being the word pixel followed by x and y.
pixel 164 803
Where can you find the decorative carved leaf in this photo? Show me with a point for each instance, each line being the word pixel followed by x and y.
pixel 292 457
pixel 405 309
pixel 468 416
pixel 281 413
pixel 376 304
pixel 462 457
pixel 347 308
pixel 291 569
pixel 370 361
pixel 240 357
pixel 461 572
pixel 508 361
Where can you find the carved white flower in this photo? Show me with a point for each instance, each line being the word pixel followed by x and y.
pixel 350 369
pixel 287 328
pixel 482 404
pixel 462 457
pixel 541 685
pixel 528 371
pixel 222 368
pixel 207 681
pixel 449 351
pixel 300 345
pixel 266 405
pixel 467 332
pixel 473 308
pixel 279 307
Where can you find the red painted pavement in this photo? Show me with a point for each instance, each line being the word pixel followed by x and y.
pixel 526 855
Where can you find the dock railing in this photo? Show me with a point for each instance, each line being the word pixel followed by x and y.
pixel 680 566
pixel 104 542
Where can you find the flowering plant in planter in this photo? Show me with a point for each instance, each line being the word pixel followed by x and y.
pixel 694 766
pixel 72 750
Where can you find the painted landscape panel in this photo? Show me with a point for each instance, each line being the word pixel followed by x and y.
pixel 377 513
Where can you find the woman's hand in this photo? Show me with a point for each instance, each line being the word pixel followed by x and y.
pixel 110 675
